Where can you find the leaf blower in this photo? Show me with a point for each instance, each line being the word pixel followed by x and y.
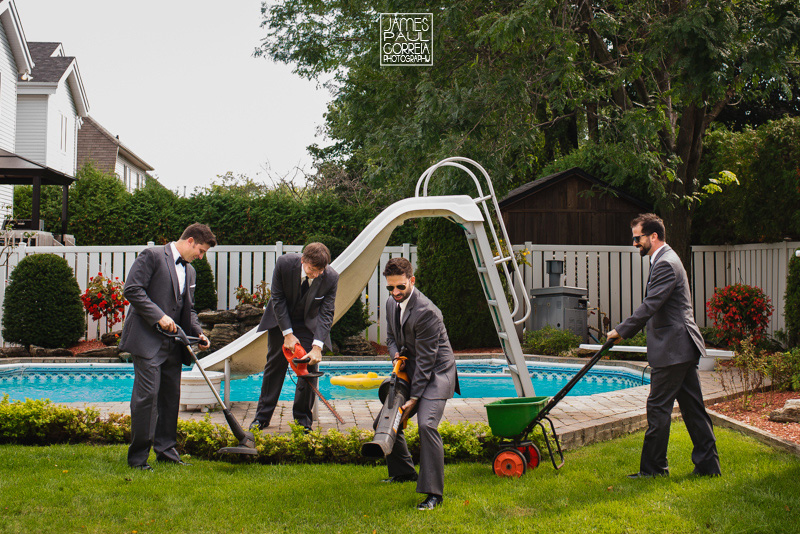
pixel 298 361
pixel 393 393
pixel 247 441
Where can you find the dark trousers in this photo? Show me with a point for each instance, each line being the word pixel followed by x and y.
pixel 155 401
pixel 274 375
pixel 668 384
pixel 431 450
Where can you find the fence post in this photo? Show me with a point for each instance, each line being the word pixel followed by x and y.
pixel 278 249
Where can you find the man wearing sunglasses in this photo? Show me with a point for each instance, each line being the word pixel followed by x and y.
pixel 415 328
pixel 300 310
pixel 674 347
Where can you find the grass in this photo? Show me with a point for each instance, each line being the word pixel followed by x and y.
pixel 81 488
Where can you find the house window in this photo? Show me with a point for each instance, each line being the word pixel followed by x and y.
pixel 64 129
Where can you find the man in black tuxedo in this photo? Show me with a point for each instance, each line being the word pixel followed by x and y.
pixel 415 328
pixel 160 288
pixel 674 347
pixel 300 310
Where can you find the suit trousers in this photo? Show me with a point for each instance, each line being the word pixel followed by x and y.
pixel 275 374
pixel 431 450
pixel 155 401
pixel 677 382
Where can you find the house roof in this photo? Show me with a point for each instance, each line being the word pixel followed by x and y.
pixel 537 185
pixel 51 66
pixel 17 170
pixel 126 152
pixel 9 18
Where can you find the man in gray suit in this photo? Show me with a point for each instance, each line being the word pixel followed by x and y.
pixel 300 310
pixel 674 347
pixel 160 288
pixel 415 329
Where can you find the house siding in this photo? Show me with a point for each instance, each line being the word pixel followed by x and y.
pixel 96 147
pixel 61 104
pixel 8 94
pixel 133 171
pixel 32 127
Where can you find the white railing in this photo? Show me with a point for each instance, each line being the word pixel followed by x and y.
pixel 614 276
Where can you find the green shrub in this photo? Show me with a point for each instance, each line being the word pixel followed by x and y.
pixel 447 275
pixel 98 203
pixel 783 369
pixel 357 318
pixel 42 304
pixel 205 291
pixel 40 422
pixel 550 341
pixel 791 301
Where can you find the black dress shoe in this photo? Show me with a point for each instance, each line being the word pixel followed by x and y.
pixel 430 502
pixel 411 477
pixel 704 474
pixel 143 467
pixel 642 474
pixel 171 461
pixel 257 425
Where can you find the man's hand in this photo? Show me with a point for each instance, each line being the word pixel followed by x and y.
pixel 289 341
pixel 407 407
pixel 402 362
pixel 612 334
pixel 204 342
pixel 315 355
pixel 167 324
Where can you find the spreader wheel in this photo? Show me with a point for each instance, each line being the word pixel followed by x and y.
pixel 509 463
pixel 532 455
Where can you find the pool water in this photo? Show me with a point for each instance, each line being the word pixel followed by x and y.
pixel 113 382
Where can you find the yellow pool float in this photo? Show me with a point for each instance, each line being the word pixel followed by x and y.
pixel 358 381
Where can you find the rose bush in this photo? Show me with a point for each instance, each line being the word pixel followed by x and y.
pixel 104 298
pixel 739 311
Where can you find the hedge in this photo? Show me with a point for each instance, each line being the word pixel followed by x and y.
pixel 40 422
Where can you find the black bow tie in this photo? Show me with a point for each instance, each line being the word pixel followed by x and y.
pixel 181 261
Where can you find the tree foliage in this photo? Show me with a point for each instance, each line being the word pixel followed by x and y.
pixel 518 84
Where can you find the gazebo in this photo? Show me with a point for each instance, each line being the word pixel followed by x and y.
pixel 16 170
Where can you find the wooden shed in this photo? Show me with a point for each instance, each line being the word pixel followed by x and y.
pixel 571 207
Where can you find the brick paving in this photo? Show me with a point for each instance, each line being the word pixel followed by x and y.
pixel 578 420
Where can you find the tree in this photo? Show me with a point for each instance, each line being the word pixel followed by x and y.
pixel 641 77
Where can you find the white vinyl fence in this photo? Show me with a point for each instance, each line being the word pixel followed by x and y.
pixel 614 276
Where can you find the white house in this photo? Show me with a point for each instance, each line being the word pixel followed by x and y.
pixel 15 63
pixel 51 104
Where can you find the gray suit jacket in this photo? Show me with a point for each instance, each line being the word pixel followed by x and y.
pixel 285 292
pixel 431 365
pixel 152 289
pixel 672 334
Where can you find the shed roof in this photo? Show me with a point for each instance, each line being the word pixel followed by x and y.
pixel 537 185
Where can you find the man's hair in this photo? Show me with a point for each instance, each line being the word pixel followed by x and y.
pixel 398 267
pixel 317 255
pixel 201 234
pixel 651 224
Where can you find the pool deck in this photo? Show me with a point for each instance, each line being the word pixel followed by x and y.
pixel 579 420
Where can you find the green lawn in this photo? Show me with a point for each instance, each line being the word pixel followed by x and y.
pixel 78 488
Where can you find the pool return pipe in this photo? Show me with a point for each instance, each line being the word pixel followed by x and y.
pixel 247 442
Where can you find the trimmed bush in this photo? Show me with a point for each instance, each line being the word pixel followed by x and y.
pixel 792 302
pixel 205 291
pixel 40 422
pixel 356 319
pixel 446 274
pixel 42 304
pixel 550 341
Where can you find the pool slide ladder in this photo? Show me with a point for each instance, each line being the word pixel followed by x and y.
pixel 245 356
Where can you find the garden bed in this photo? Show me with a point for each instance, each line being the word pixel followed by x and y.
pixel 757 413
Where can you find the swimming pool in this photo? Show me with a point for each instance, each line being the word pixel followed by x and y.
pixel 478 379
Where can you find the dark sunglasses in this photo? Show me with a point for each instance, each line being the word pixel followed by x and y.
pixel 401 287
pixel 636 238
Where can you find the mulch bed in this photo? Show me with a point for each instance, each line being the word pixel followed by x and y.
pixel 757 413
pixel 83 346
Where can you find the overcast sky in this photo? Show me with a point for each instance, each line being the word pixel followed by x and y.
pixel 178 83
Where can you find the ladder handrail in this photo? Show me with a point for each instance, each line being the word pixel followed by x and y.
pixel 482 200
